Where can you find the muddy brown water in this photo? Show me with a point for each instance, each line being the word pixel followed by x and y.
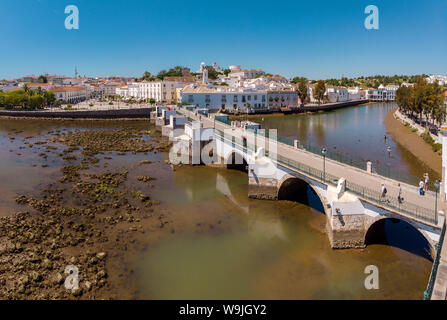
pixel 221 244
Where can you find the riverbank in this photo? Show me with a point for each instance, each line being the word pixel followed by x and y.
pixel 135 113
pixel 412 142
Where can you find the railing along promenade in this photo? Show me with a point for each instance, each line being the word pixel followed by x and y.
pixel 434 271
pixel 426 214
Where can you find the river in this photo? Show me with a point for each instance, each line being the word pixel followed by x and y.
pixel 241 248
pixel 356 133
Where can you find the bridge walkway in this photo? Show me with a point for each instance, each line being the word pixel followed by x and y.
pixel 365 185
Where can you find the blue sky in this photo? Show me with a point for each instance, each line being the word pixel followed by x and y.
pixel 315 39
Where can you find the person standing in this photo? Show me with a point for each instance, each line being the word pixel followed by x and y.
pixel 421 188
pixel 399 193
pixel 383 194
pixel 426 182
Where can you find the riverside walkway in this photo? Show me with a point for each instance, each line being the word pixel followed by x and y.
pixel 365 185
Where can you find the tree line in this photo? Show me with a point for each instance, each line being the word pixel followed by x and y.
pixel 27 98
pixel 368 81
pixel 177 71
pixel 423 99
pixel 303 90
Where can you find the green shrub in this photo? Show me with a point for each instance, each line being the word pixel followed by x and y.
pixel 436 147
pixel 427 137
pixel 91 104
pixel 110 103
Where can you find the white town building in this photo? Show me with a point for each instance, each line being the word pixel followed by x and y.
pixel 356 93
pixel 382 93
pixel 245 73
pixel 70 94
pixel 332 94
pixel 123 91
pixel 223 97
pixel 282 98
pixel 164 91
pixel 442 80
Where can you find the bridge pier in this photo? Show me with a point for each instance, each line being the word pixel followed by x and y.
pixel 346 231
pixel 262 188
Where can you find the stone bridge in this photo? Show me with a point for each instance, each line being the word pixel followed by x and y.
pixel 350 197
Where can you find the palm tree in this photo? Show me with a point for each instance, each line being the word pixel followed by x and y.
pixel 26 89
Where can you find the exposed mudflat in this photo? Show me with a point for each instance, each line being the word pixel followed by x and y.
pixel 412 142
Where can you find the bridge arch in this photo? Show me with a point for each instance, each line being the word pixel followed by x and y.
pixel 419 243
pixel 297 188
pixel 237 161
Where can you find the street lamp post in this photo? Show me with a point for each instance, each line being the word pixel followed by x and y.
pixel 436 201
pixel 389 156
pixel 323 152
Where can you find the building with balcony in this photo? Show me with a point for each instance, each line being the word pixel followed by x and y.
pixel 382 93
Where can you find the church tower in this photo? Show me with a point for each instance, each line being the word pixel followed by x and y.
pixel 205 75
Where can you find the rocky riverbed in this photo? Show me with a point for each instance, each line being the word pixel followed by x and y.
pixel 85 218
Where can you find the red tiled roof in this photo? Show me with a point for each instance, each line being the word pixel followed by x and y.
pixel 38 84
pixel 66 89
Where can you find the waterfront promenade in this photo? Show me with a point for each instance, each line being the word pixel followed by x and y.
pixel 99 113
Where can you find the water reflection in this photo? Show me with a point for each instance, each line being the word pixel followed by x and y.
pixel 222 187
pixel 267 250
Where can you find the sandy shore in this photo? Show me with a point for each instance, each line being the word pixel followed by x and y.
pixel 412 142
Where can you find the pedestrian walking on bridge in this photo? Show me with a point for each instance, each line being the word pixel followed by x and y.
pixel 383 194
pixel 421 188
pixel 399 193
